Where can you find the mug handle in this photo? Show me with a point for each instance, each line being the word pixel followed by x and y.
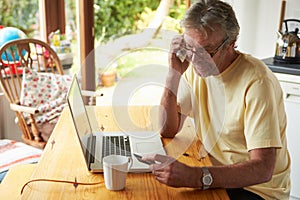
pixel 130 162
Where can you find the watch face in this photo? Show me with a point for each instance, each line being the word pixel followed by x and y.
pixel 207 180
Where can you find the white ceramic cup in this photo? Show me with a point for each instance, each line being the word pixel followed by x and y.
pixel 115 169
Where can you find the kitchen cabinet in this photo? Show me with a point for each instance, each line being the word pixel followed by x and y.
pixel 289 78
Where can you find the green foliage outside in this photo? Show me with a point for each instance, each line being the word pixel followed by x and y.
pixel 19 14
pixel 171 22
pixel 114 18
pixel 126 63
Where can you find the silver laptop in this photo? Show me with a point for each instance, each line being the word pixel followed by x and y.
pixel 96 145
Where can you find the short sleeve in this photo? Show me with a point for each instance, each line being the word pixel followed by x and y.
pixel 261 118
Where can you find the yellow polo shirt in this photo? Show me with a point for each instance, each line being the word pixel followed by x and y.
pixel 239 110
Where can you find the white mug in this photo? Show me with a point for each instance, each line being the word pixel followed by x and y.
pixel 115 168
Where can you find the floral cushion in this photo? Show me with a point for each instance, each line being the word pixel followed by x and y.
pixel 45 91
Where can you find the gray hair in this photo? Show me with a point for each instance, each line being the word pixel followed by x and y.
pixel 203 14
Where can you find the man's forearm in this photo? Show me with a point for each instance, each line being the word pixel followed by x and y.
pixel 169 117
pixel 254 171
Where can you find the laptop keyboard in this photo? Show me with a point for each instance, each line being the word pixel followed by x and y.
pixel 116 145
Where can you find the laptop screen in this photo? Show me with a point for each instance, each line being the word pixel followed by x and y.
pixel 80 117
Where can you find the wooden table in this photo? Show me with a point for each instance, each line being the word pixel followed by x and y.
pixel 62 160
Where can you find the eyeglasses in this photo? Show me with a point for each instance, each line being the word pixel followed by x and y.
pixel 191 50
pixel 213 53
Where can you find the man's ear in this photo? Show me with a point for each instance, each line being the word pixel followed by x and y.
pixel 233 45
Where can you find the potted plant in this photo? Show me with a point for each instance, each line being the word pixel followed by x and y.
pixel 108 77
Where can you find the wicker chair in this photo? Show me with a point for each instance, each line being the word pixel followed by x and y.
pixel 14 57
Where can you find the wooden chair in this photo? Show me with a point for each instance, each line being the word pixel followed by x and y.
pixel 15 56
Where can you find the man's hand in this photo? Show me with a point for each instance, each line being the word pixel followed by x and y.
pixel 175 63
pixel 171 172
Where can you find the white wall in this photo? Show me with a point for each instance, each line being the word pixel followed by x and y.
pixel 259 22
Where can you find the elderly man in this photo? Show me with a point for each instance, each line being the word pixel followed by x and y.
pixel 236 103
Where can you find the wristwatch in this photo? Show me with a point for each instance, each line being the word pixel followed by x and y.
pixel 207 179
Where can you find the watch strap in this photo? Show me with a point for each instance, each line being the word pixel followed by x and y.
pixel 206 174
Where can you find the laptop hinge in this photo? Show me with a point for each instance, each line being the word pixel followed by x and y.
pixel 90 154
